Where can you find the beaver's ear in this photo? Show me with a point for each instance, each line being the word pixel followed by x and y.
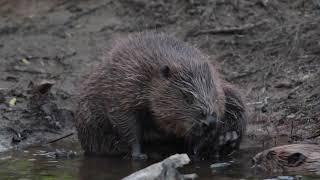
pixel 164 72
pixel 270 155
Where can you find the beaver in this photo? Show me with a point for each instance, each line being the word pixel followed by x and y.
pixel 152 87
pixel 303 159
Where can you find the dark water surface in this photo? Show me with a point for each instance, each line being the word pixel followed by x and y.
pixel 41 163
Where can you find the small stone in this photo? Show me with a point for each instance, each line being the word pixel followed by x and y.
pixel 190 176
pixel 285 178
pixel 12 102
pixel 220 166
pixel 25 61
pixel 291 116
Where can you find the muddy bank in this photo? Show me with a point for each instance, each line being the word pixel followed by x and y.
pixel 33 116
pixel 270 49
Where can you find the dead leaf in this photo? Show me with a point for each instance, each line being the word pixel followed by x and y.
pixel 12 102
pixel 25 61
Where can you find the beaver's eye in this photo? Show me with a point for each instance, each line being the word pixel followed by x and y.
pixel 188 97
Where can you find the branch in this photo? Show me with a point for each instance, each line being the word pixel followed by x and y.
pixel 58 139
pixel 232 30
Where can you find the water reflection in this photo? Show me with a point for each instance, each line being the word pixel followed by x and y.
pixel 107 168
pixel 41 163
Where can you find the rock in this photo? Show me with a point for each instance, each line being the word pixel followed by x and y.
pixel 165 169
pixel 220 166
pixel 42 87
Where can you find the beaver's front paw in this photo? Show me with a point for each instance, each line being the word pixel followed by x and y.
pixel 230 138
pixel 139 157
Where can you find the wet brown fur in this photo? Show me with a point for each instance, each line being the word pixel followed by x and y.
pixel 293 159
pixel 128 87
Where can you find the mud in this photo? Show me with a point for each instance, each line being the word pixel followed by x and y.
pixel 270 49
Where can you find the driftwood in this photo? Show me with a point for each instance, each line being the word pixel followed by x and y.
pixel 163 170
pixel 299 159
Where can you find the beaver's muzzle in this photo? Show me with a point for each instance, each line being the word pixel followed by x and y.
pixel 212 121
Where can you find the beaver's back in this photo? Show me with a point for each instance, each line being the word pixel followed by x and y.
pixel 132 63
pixel 154 49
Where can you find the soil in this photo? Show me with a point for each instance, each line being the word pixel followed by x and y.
pixel 269 49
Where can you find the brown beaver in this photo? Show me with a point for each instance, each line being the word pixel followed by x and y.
pixel 152 88
pixel 303 159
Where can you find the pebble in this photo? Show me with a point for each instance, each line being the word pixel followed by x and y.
pixel 220 166
pixel 282 178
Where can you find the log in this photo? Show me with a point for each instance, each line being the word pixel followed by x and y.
pixel 163 170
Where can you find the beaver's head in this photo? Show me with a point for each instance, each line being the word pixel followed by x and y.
pixel 187 99
pixel 290 159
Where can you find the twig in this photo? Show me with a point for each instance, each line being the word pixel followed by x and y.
pixel 314 136
pixel 232 30
pixel 63 137
pixel 291 131
pixel 22 70
pixel 90 11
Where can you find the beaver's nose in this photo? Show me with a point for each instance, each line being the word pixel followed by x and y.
pixel 211 120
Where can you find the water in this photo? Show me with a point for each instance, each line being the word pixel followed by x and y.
pixel 40 163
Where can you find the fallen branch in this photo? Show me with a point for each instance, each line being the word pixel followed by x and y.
pixel 314 136
pixel 232 30
pixel 60 138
